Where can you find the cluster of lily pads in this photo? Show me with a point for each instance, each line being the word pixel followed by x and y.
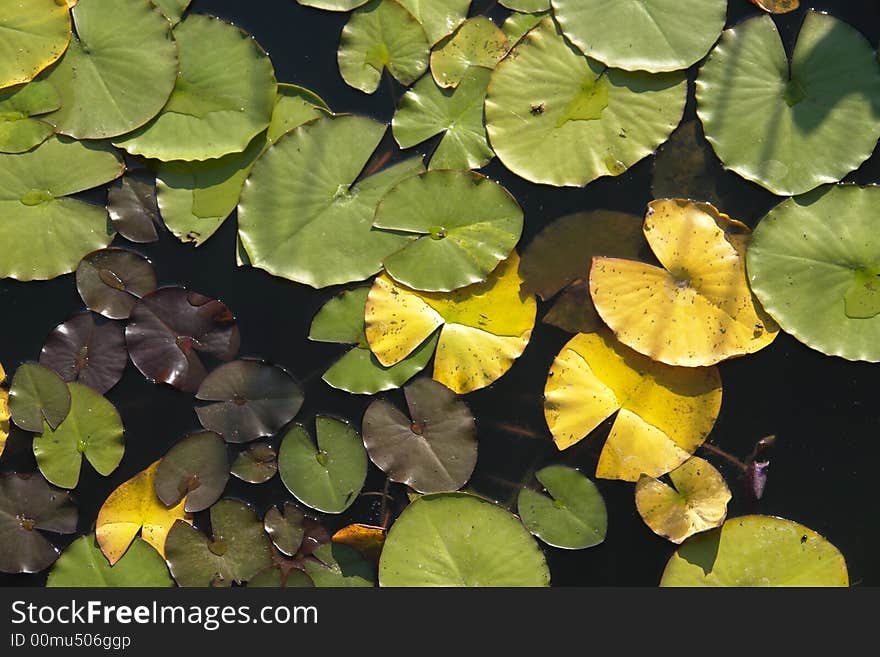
pixel 563 93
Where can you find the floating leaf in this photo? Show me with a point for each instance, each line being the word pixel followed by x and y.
pixel 333 5
pixel 359 371
pixel 223 97
pixel 35 34
pixel 281 577
pixel 255 465
pixel 254 400
pixel 366 539
pixel 558 260
pixel 118 71
pixel 19 132
pixel 173 9
pixel 328 477
pixel 313 224
pixel 237 550
pixel 38 394
pixel 196 468
pixel 438 17
pixel 336 565
pixel 485 326
pixel 28 504
pixel 697 503
pixel 133 208
pixel 110 281
pixel 457 539
pixel 82 351
pixel 556 117
pixel 708 311
pixel 92 429
pixel 686 167
pixel 4 412
pixel 168 330
pixel 134 507
pixel 379 35
pixel 516 26
pixel 477 42
pixel 663 413
pixel 572 517
pixel 466 225
pixel 426 111
pixel 642 35
pixel 527 6
pixel 43 234
pixel 777 6
pixel 197 197
pixel 285 527
pixel 757 551
pixel 83 564
pixel 433 452
pixel 795 125
pixel 814 264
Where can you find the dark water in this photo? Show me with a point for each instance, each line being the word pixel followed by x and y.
pixel 824 465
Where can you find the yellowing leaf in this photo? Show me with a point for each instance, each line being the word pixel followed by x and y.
pixel 134 507
pixel 699 310
pixel 777 6
pixel 663 413
pixel 366 539
pixel 485 326
pixel 4 412
pixel 697 503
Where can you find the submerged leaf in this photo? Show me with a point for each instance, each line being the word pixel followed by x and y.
pixel 196 468
pixel 256 465
pixel 686 167
pixel 110 281
pixel 28 507
pixel 478 42
pixel 434 450
pixel 80 350
pixel 35 34
pixel 701 293
pixel 37 394
pixel 83 564
pixel 663 413
pixel 697 503
pixel 134 507
pixel 133 208
pixel 92 429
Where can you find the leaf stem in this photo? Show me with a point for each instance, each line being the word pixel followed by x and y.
pixel 709 447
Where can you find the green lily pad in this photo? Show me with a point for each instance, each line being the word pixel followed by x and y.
pixel 527 6
pixel 335 565
pixel 793 126
pixel 573 517
pixel 196 468
pixel 276 578
pixel 456 540
pixel 556 117
pixel 133 209
pixel 197 197
pixel 92 429
pixel 434 449
pixel 427 110
pixel 255 465
pixel 19 132
pixel 757 551
pixel 237 550
pixel 38 394
pixel 477 42
pixel 328 477
pixel 438 17
pixel 285 527
pixel 379 35
pixel 558 260
pixel 118 71
pixel 172 9
pixel 313 224
pixel 223 98
pixel 516 26
pixel 814 263
pixel 466 225
pixel 28 507
pixel 333 5
pixel 358 370
pixel 35 34
pixel 642 35
pixel 110 281
pixel 45 235
pixel 83 564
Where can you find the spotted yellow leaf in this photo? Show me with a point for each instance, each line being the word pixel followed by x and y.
pixel 698 308
pixel 484 327
pixel 33 35
pixel 663 413
pixel 697 502
pixel 134 507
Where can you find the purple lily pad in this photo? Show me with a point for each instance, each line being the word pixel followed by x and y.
pixel 257 464
pixel 133 208
pixel 79 350
pixel 110 281
pixel 196 468
pixel 168 330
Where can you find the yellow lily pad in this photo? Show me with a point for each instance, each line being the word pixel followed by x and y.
pixel 698 308
pixel 484 327
pixel 663 413
pixel 697 502
pixel 4 412
pixel 134 507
